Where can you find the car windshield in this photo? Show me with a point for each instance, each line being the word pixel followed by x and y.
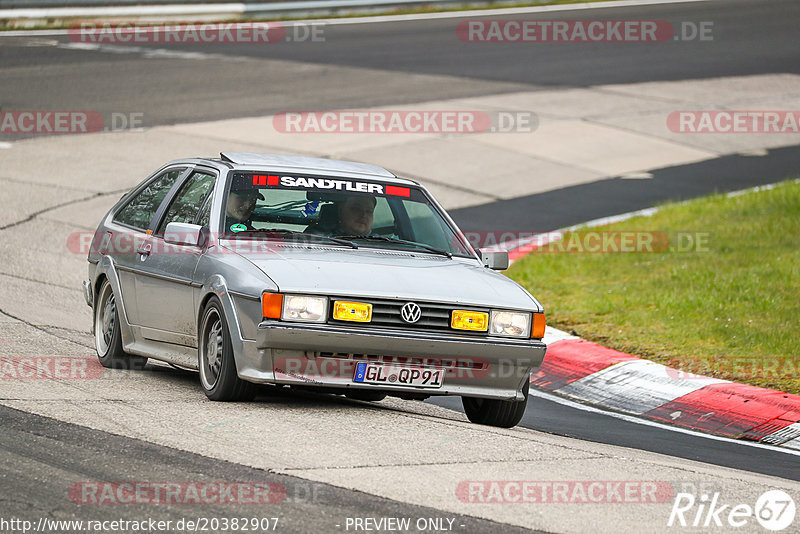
pixel 355 212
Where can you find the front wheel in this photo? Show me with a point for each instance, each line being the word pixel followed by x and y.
pixel 494 412
pixel 218 375
pixel 107 334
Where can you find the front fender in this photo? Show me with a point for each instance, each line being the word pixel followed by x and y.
pixel 244 348
pixel 106 268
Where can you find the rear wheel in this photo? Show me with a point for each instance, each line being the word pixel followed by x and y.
pixel 218 375
pixel 107 334
pixel 494 412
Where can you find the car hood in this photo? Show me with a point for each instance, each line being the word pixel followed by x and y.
pixel 390 274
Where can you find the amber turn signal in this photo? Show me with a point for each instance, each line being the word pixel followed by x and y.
pixel 271 305
pixel 538 326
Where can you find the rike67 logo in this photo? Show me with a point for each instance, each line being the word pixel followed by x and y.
pixel 774 510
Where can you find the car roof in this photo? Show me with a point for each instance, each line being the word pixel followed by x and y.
pixel 248 161
pixel 305 164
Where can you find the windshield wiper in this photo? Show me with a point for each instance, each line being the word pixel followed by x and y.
pixel 400 242
pixel 284 231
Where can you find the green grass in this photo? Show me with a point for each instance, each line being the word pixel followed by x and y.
pixel 729 310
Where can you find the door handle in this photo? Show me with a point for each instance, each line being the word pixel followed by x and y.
pixel 144 251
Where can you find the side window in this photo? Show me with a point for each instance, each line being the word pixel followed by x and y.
pixel 205 213
pixel 187 203
pixel 427 227
pixel 141 208
pixel 382 217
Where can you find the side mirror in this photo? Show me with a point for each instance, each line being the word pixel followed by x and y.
pixel 184 234
pixel 497 260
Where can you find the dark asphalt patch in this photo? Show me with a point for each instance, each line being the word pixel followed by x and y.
pixel 552 210
pixel 41 459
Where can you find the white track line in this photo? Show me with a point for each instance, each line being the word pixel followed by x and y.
pixel 632 419
pixel 502 11
pixel 187 10
pixel 547 237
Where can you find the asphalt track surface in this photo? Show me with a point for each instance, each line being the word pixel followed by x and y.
pixel 36 448
pixel 549 416
pixel 364 65
pixel 750 38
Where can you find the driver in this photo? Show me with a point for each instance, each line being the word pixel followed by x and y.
pixel 355 215
pixel 241 203
pixel 350 215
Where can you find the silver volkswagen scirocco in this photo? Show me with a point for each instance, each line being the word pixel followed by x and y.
pixel 313 273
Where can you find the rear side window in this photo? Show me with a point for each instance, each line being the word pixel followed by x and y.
pixel 140 209
pixel 187 203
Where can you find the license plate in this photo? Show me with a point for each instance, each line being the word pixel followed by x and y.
pixel 396 375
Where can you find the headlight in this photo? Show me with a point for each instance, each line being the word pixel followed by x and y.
pixel 306 309
pixel 509 323
pixel 469 320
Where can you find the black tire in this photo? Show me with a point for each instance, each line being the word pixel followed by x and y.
pixel 366 395
pixel 493 412
pixel 218 376
pixel 107 334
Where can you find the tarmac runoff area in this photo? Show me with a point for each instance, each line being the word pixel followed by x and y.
pixel 54 186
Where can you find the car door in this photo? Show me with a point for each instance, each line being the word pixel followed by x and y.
pixel 128 232
pixel 164 286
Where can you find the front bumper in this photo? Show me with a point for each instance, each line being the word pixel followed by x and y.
pixel 326 355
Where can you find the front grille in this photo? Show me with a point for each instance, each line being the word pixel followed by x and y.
pixel 386 312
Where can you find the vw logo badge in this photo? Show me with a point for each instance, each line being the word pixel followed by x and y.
pixel 410 312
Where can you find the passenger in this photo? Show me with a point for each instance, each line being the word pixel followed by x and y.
pixel 240 207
